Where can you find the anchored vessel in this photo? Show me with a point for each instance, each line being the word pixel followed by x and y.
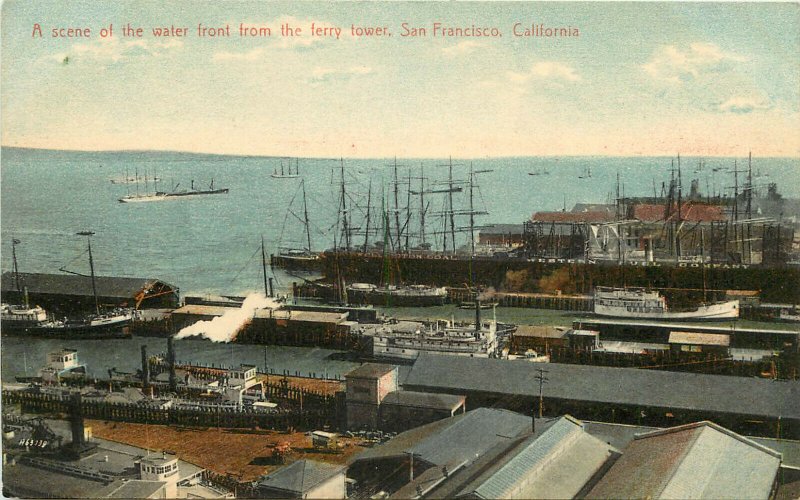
pixel 174 195
pixel 643 304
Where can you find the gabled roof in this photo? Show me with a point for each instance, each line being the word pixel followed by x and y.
pixel 300 476
pixel 456 440
pixel 71 284
pixel 556 464
pixel 701 460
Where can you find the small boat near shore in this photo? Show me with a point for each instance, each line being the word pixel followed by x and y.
pixel 638 303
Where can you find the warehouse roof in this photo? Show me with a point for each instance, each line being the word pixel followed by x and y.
pixel 650 388
pixel 300 476
pixel 701 460
pixel 423 400
pixel 699 338
pixel 456 440
pixel 502 229
pixel 572 217
pixel 72 284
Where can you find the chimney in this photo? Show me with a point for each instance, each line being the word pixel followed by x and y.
pixel 145 369
pixel 477 315
pixel 76 421
pixel 173 384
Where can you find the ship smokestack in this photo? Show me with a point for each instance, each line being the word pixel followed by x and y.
pixel 477 315
pixel 173 383
pixel 145 369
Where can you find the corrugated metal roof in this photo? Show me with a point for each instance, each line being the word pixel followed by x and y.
pixel 507 478
pixel 300 476
pixel 699 460
pixel 71 284
pixel 651 388
pixel 699 338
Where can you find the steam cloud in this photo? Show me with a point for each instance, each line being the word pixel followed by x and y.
pixel 224 328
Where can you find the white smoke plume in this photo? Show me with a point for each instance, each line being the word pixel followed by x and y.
pixel 224 328
pixel 487 294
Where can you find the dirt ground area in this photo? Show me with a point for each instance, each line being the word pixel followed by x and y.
pixel 242 453
pixel 325 386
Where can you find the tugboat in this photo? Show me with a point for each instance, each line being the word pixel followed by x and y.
pixel 62 364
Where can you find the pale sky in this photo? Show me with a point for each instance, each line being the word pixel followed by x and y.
pixel 640 79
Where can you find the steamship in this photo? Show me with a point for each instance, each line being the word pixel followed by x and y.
pixel 638 303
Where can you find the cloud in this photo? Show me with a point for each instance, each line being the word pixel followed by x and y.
pixel 673 65
pixel 250 55
pixel 461 48
pixel 112 50
pixel 319 75
pixel 743 105
pixel 546 70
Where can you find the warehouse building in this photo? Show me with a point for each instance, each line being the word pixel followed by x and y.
pixel 750 406
pixel 72 294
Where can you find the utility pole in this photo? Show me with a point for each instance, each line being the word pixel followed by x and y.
pixel 540 376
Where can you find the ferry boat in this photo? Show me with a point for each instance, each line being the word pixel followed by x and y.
pixel 638 303
pixel 405 340
pixel 19 316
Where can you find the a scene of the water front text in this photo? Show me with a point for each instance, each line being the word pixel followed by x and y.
pixel 315 30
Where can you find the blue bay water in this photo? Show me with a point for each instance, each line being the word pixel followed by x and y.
pixel 211 244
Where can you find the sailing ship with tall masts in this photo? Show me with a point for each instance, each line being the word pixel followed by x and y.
pixel 298 259
pixel 287 175
pixel 111 323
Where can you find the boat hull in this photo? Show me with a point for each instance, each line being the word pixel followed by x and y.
pixel 380 298
pixel 712 312
pixel 70 331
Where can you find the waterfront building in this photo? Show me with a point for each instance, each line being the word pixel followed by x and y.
pixel 304 479
pixel 70 293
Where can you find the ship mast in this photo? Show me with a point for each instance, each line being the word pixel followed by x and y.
pixel 88 235
pixel 471 210
pixel 305 215
pixel 396 208
pixel 264 267
pixel 369 202
pixel 14 243
pixel 343 206
pixel 450 208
